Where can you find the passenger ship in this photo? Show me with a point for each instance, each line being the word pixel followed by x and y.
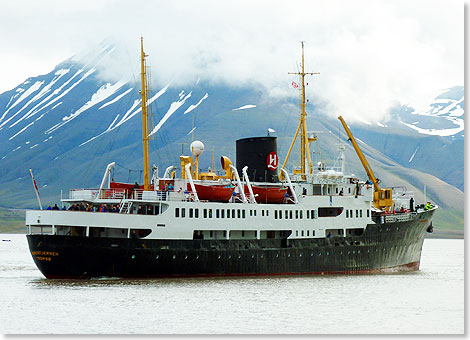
pixel 257 219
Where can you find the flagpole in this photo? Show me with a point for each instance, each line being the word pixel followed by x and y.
pixel 35 188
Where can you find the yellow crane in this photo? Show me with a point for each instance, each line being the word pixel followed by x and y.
pixel 382 197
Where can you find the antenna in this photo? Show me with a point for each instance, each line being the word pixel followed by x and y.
pixel 302 128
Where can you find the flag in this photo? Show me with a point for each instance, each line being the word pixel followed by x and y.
pixel 34 181
pixel 294 85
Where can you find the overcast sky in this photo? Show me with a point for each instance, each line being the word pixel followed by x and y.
pixel 370 54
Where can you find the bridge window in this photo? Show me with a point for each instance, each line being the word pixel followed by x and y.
pixel 329 211
pixel 177 212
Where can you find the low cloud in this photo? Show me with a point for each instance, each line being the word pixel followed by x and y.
pixel 370 54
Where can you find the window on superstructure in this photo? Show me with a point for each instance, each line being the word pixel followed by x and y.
pixel 177 212
pixel 222 211
pixel 239 213
pixel 308 232
pixel 290 214
pixel 262 212
pixel 228 213
pixel 308 214
pixel 267 212
pixel 233 213
pixel 286 214
pixel 347 213
pixel 217 213
pixel 360 213
pixel 196 213
pixel 275 214
pixel 300 213
pixel 296 233
pixel 368 213
pixel 357 213
pixel 190 212
pixel 204 213
pixel 296 214
pixel 313 232
pixel 251 212
pixel 183 212
pixel 350 213
pixel 336 189
pixel 312 214
pixel 243 213
pixel 210 213
pixel 280 214
pixel 302 233
pixel 349 190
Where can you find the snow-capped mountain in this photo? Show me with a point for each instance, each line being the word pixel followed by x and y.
pixel 67 125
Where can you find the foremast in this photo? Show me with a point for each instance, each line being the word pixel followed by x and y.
pixel 302 128
pixel 145 132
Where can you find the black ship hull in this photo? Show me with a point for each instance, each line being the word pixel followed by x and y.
pixel 382 247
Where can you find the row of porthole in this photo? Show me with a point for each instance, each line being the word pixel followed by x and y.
pixel 277 254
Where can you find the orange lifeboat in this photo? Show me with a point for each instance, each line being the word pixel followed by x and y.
pixel 213 192
pixel 267 194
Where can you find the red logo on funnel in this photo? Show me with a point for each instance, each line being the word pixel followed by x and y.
pixel 272 161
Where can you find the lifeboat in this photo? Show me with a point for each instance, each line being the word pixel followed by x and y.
pixel 267 194
pixel 213 192
pixel 118 189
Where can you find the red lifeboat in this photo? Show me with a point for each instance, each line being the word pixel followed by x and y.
pixel 213 192
pixel 267 194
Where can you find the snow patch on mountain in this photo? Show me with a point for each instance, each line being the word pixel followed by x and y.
pixel 26 94
pixel 22 130
pixel 413 155
pixel 173 107
pixel 41 93
pixel 103 93
pixel 244 107
pixel 116 99
pixel 128 115
pixel 192 107
pixel 438 132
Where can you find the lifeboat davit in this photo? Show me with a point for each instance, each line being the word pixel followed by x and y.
pixel 213 192
pixel 267 194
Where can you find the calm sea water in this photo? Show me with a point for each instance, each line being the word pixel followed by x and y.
pixel 428 301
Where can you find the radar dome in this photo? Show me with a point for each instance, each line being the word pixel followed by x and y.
pixel 197 148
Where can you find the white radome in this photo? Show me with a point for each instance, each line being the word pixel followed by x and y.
pixel 197 148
